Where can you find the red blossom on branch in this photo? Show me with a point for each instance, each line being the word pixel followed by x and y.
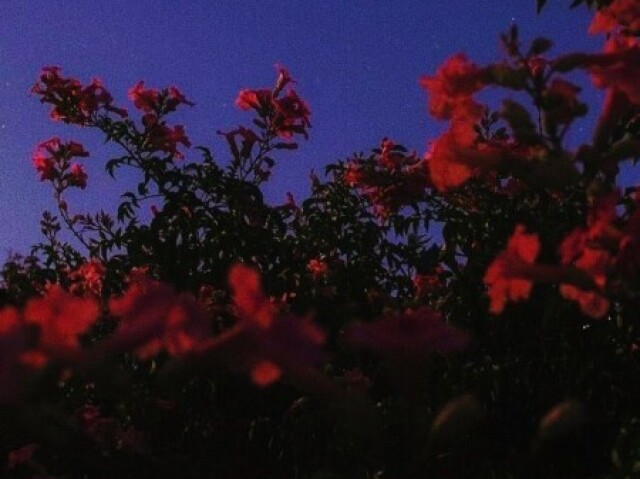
pixel 164 138
pixel 286 114
pixel 77 176
pixel 52 160
pixel 72 102
pixel 145 99
pixel 152 100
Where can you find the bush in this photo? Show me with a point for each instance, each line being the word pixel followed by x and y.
pixel 469 312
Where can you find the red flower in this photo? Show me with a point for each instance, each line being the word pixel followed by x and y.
pixel 61 319
pixel 259 100
pixel 591 250
pixel 270 343
pixel 537 66
pixel 164 138
pixel 454 83
pixel 87 279
pixel 145 99
pixel 77 176
pixel 175 98
pixel 155 317
pixel 318 268
pixel 291 115
pixel 619 67
pixel 352 175
pixel 429 283
pixel 250 302
pixel 445 169
pixel 591 302
pixel 625 13
pixel 504 275
pixel 265 372
pixel 52 158
pixel 45 166
pixel 73 103
pixel 286 114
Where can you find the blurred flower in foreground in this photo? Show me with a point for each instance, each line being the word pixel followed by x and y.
pixel 503 275
pixel 412 334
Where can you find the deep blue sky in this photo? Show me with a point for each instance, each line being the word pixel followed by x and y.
pixel 357 63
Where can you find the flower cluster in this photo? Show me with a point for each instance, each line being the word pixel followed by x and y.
pixel 282 109
pixel 391 178
pixel 155 104
pixel 52 161
pixel 164 138
pixel 72 102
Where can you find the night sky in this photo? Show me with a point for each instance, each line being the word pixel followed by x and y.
pixel 357 64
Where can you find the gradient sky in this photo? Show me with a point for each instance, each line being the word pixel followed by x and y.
pixel 357 63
